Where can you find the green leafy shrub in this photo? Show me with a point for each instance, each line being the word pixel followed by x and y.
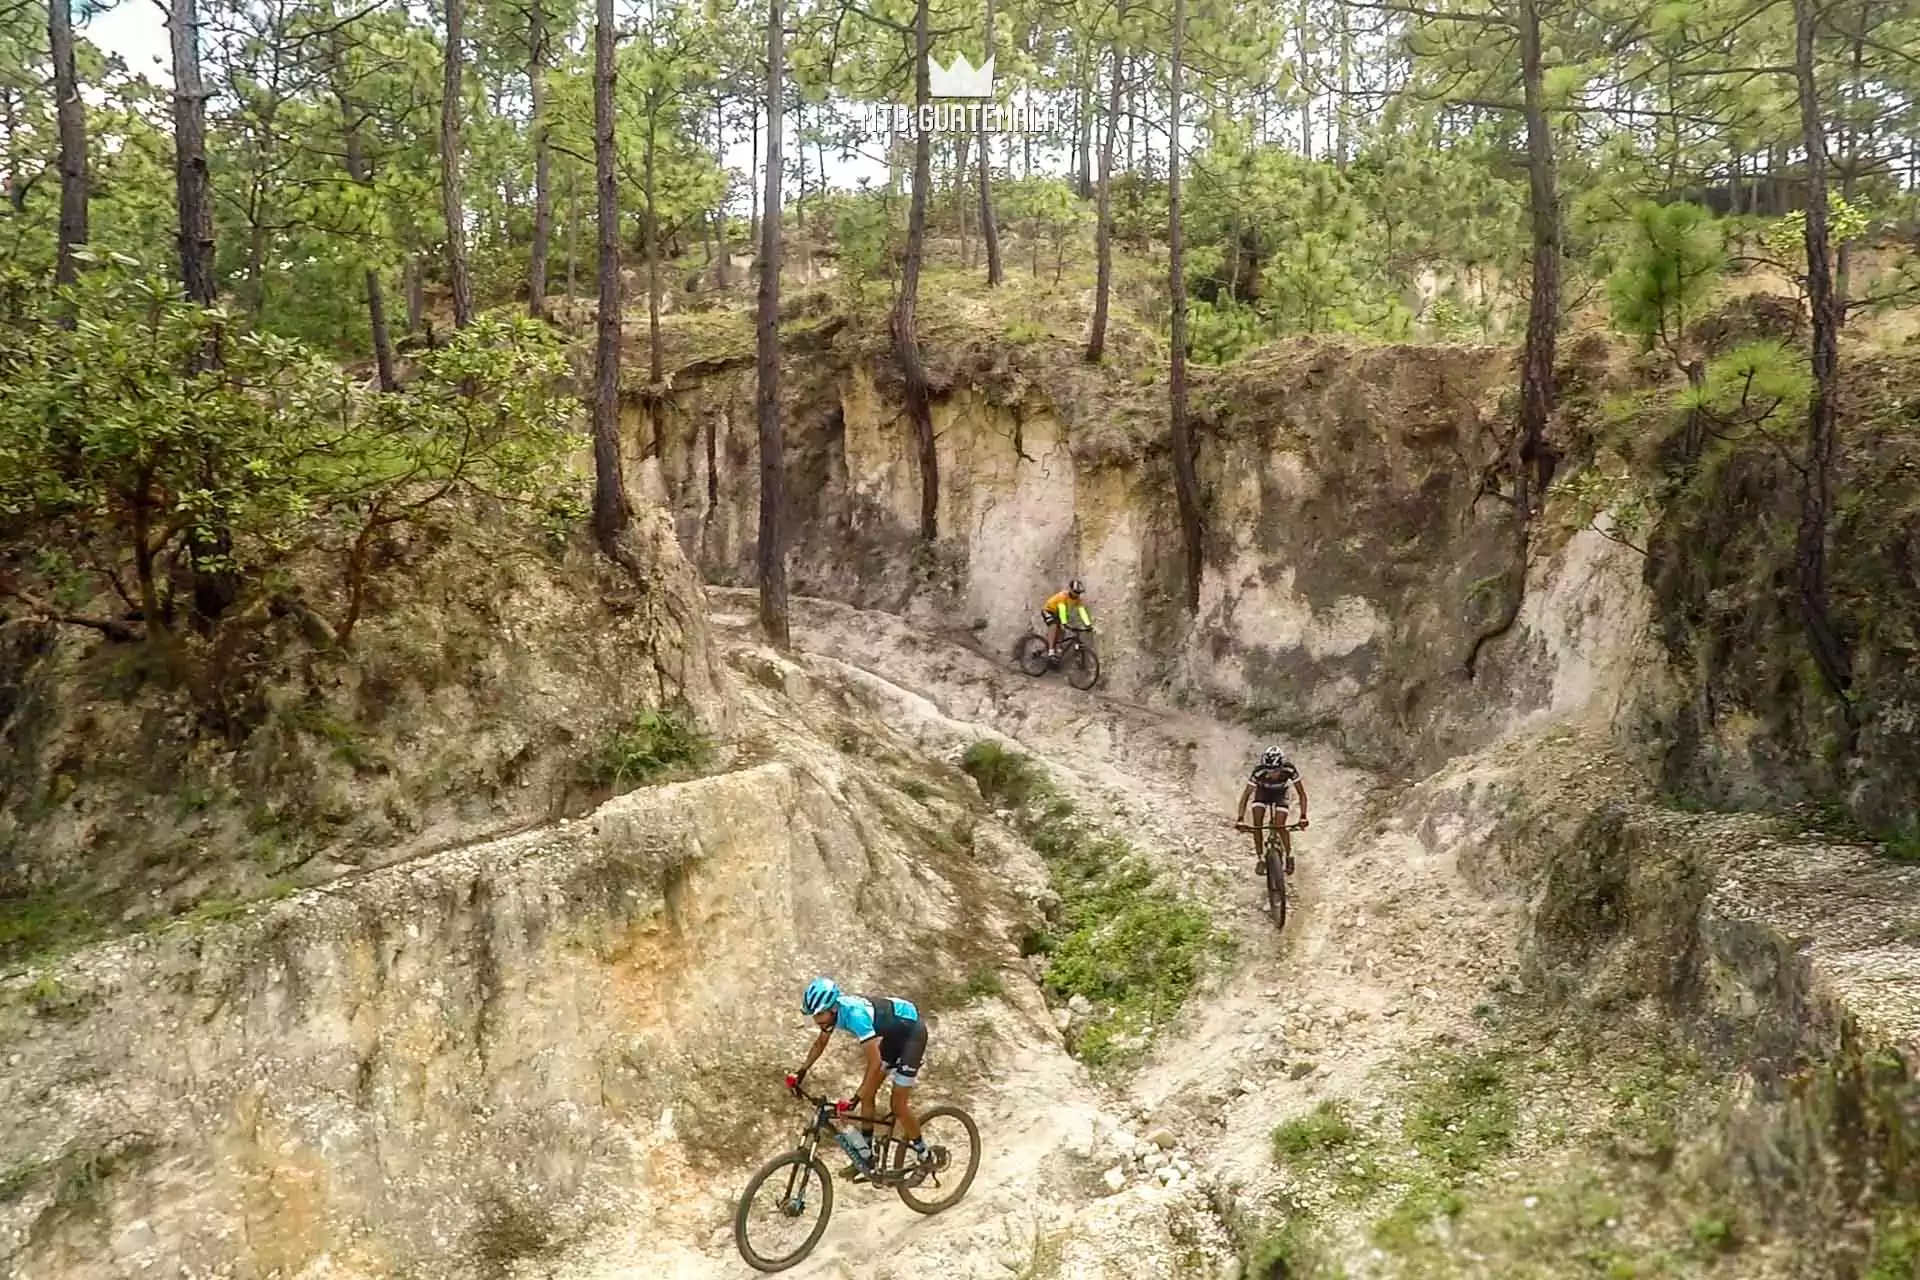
pixel 655 742
pixel 1132 948
pixel 1004 777
pixel 171 461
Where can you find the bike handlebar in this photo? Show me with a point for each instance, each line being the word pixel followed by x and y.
pixel 1291 826
pixel 839 1106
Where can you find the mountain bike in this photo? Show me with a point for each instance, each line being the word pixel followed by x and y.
pixel 805 1188
pixel 1076 655
pixel 1273 855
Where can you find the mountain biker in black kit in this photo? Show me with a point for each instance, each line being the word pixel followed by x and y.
pixel 1269 788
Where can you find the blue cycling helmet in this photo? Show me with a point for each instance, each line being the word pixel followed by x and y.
pixel 820 995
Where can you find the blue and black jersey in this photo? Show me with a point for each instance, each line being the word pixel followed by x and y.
pixel 896 1022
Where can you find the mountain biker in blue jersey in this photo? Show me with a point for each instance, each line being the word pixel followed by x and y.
pixel 1270 788
pixel 893 1038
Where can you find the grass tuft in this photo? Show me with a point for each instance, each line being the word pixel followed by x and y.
pixel 651 745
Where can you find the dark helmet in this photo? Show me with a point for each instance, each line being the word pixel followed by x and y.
pixel 1075 587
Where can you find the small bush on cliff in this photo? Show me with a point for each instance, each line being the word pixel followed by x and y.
pixel 1004 777
pixel 653 743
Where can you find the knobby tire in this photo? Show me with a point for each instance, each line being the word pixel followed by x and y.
pixel 909 1195
pixel 1083 668
pixel 818 1172
pixel 1032 655
pixel 1276 883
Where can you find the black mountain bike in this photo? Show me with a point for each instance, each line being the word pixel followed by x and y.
pixel 1076 655
pixel 1273 861
pixel 802 1199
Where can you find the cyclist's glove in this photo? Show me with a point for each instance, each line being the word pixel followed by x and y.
pixel 1304 824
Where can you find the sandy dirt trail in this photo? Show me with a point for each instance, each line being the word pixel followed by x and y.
pixel 1387 946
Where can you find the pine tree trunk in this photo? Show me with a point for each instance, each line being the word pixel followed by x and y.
pixel 356 163
pixel 906 339
pixel 70 113
pixel 753 208
pixel 415 283
pixel 1830 654
pixel 989 232
pixel 611 512
pixel 452 204
pixel 573 235
pixel 255 293
pixel 1543 311
pixel 650 239
pixel 772 551
pixel 1843 253
pixel 1186 484
pixel 1306 85
pixel 10 182
pixel 1537 458
pixel 192 194
pixel 1343 129
pixel 962 147
pixel 1103 231
pixel 1133 112
pixel 210 541
pixel 722 268
pixel 542 161
pixel 1083 142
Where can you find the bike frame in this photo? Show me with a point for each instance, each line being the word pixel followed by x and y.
pixel 829 1120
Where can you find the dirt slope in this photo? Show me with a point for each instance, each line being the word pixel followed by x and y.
pixel 1388 945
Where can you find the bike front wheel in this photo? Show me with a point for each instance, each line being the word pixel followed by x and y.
pixel 1083 668
pixel 953 1142
pixel 1032 655
pixel 1276 883
pixel 797 1187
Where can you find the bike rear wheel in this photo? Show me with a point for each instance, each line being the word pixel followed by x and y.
pixel 954 1141
pixel 1032 654
pixel 1083 668
pixel 1276 882
pixel 802 1184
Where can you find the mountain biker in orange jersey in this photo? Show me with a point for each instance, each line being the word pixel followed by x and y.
pixel 1059 610
pixel 894 1038
pixel 1269 788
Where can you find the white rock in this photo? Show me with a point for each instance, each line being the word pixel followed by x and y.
pixel 1063 1018
pixel 1247 1087
pixel 1115 1178
pixel 1123 1140
pixel 1162 1138
pixel 1156 1160
pixel 1078 1139
pixel 1167 1174
pixel 1080 1005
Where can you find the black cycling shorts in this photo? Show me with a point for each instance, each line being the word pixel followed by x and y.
pixel 1273 797
pixel 902 1055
